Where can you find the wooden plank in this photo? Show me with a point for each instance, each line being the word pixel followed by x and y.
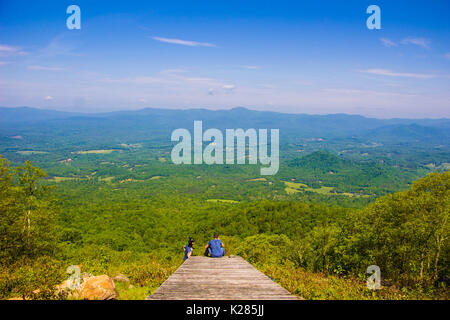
pixel 227 278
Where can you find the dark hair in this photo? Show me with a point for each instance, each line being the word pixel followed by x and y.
pixel 191 242
pixel 216 235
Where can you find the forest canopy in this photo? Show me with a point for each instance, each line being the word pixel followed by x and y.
pixel 43 230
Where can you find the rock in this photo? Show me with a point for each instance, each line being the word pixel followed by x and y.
pixel 98 288
pixel 121 278
pixel 62 288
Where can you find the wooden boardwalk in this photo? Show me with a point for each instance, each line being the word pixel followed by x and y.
pixel 227 278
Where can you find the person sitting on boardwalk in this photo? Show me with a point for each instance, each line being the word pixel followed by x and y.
pixel 215 248
pixel 188 248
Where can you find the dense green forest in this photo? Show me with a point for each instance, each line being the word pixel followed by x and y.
pixel 101 192
pixel 107 230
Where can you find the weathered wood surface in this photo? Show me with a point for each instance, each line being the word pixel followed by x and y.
pixel 227 278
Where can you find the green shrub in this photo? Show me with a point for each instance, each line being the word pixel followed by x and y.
pixel 266 249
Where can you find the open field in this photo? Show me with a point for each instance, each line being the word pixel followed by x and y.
pixel 30 152
pixel 108 151
pixel 60 179
pixel 222 200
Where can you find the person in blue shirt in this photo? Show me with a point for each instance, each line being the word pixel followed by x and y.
pixel 215 248
pixel 188 248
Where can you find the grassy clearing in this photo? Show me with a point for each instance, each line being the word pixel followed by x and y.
pixel 108 151
pixel 31 152
pixel 321 190
pixel 135 145
pixel 348 194
pixel 258 179
pixel 295 185
pixel 291 190
pixel 222 200
pixel 61 179
pixel 106 179
pixel 130 180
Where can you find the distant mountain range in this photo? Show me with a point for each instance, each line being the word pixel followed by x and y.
pixel 163 121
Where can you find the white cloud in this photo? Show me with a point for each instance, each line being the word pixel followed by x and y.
pixel 62 45
pixel 362 99
pixel 228 88
pixel 421 42
pixel 48 98
pixel 367 92
pixel 6 50
pixel 184 42
pixel 138 80
pixel 389 73
pixel 200 79
pixel 168 79
pixel 388 43
pixel 44 68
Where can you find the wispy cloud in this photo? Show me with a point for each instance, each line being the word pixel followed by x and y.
pixel 6 51
pixel 184 42
pixel 167 79
pixel 228 88
pixel 48 98
pixel 251 67
pixel 447 55
pixel 421 42
pixel 390 73
pixel 45 68
pixel 388 43
pixel 61 45
pixel 200 79
pixel 367 92
pixel 172 71
pixel 138 80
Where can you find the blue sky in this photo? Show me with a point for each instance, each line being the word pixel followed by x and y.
pixel 315 57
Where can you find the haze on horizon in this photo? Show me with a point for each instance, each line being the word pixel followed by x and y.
pixel 263 55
